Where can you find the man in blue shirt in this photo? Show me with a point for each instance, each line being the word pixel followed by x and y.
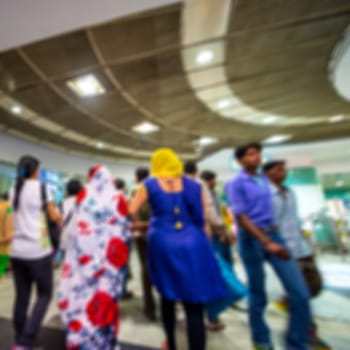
pixel 250 199
pixel 286 217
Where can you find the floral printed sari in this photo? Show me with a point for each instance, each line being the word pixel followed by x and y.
pixel 94 266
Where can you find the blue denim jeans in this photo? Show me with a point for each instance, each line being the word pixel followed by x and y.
pixel 253 256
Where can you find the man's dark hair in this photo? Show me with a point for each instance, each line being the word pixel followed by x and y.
pixel 141 174
pixel 73 187
pixel 241 151
pixel 119 184
pixel 208 175
pixel 4 196
pixel 190 168
pixel 270 165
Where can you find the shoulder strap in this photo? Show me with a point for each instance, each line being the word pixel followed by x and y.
pixel 43 196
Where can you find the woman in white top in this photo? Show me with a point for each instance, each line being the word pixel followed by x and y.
pixel 31 251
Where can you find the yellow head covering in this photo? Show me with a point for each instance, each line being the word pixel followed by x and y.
pixel 165 162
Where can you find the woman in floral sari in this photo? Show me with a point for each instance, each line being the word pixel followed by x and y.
pixel 94 267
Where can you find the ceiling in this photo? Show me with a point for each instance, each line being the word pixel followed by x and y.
pixel 275 62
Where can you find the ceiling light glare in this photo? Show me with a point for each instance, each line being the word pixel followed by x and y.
pixel 204 57
pixel 206 141
pixel 339 183
pixel 145 128
pixel 277 139
pixel 224 103
pixel 86 86
pixel 336 118
pixel 16 109
pixel 100 145
pixel 269 120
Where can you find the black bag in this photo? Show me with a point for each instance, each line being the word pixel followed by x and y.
pixel 52 227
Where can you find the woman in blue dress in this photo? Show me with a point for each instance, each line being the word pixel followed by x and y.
pixel 181 260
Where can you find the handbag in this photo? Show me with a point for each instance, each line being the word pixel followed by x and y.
pixel 52 227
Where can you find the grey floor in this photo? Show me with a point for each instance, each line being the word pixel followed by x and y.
pixel 332 311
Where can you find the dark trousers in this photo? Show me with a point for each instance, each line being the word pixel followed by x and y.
pixel 148 297
pixel 195 324
pixel 26 273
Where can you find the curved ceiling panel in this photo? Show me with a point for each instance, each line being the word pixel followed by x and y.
pixel 202 76
pixel 264 56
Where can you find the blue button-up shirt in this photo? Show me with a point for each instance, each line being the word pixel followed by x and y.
pixel 286 218
pixel 251 195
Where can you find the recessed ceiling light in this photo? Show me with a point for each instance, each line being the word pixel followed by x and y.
pixel 278 138
pixel 206 141
pixel 224 103
pixel 269 120
pixel 145 128
pixel 86 85
pixel 99 145
pixel 336 118
pixel 204 57
pixel 339 183
pixel 16 109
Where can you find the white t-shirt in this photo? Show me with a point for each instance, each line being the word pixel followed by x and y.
pixel 30 239
pixel 68 220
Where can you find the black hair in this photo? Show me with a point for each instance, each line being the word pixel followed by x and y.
pixel 26 168
pixel 241 151
pixel 270 165
pixel 119 184
pixel 141 174
pixel 208 175
pixel 190 168
pixel 4 196
pixel 73 187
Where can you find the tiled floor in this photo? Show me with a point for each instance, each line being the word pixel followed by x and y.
pixel 332 311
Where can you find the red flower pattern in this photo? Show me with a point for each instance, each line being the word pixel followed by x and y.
pixel 94 171
pixel 113 220
pixel 117 252
pixel 102 310
pixel 66 271
pixel 81 195
pixel 99 273
pixel 75 325
pixel 123 206
pixel 84 228
pixel 63 305
pixel 84 259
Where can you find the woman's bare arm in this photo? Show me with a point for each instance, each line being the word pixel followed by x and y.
pixel 54 215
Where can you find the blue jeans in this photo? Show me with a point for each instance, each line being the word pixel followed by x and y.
pixel 253 256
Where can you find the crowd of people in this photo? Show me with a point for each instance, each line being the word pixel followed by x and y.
pixel 183 233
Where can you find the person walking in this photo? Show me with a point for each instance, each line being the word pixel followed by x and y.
pixel 140 231
pixel 259 240
pixel 181 260
pixel 286 217
pixel 73 188
pixel 31 251
pixel 222 242
pixel 91 283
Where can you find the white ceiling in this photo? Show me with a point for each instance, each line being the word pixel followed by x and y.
pixel 26 21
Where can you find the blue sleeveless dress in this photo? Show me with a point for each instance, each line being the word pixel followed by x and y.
pixel 181 259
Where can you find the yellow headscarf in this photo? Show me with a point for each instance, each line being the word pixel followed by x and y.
pixel 165 162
